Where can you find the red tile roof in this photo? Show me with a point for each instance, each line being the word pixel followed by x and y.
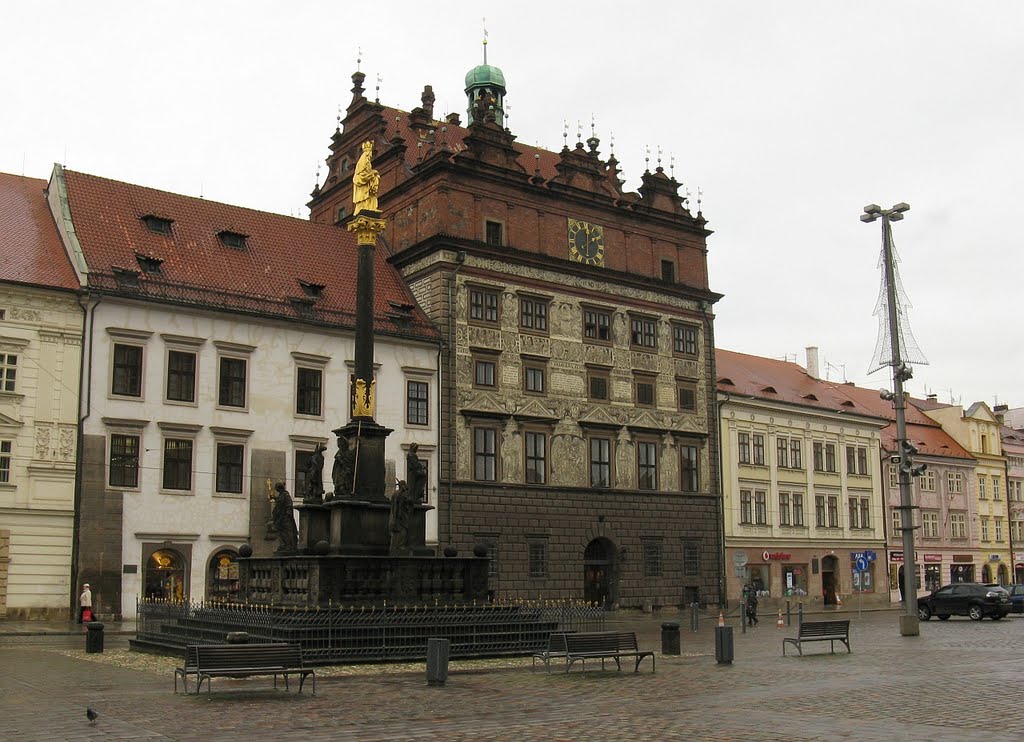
pixel 197 269
pixel 30 248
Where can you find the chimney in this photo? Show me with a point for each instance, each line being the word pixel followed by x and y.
pixel 933 397
pixel 812 361
pixel 427 100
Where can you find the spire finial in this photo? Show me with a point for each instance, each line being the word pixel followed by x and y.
pixel 379 81
pixel 592 132
pixel 565 134
pixel 672 165
pixel 611 143
pixel 647 158
pixel 318 175
pixel 359 58
pixel 659 157
pixel 579 131
pixel 700 197
pixel 485 40
pixel 338 119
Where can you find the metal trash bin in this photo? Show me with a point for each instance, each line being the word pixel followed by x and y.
pixel 94 638
pixel 723 644
pixel 670 638
pixel 437 661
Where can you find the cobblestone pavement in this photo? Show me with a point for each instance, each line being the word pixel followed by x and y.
pixel 958 681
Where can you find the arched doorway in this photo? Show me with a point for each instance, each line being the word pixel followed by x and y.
pixel 1018 572
pixel 599 572
pixel 986 574
pixel 222 575
pixel 165 576
pixel 1003 575
pixel 829 579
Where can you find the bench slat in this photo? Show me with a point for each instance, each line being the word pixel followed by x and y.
pixel 815 631
pixel 243 660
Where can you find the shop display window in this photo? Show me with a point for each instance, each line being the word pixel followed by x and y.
pixel 759 578
pixel 864 582
pixel 932 577
pixel 794 579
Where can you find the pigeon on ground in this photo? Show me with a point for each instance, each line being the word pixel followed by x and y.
pixel 91 715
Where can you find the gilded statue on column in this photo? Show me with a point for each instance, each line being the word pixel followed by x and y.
pixel 365 182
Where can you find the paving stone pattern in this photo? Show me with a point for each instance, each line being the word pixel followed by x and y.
pixel 958 681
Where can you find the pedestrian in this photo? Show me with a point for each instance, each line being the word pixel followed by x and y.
pixel 85 604
pixel 752 606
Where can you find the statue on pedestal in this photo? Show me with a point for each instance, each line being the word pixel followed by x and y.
pixel 284 521
pixel 344 469
pixel 314 486
pixel 365 182
pixel 416 473
pixel 403 506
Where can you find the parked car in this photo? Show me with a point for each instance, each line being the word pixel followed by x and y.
pixel 1016 597
pixel 965 599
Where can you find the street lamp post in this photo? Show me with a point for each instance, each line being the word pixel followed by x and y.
pixel 901 372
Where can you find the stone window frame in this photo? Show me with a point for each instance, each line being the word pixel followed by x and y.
pixel 315 363
pixel 129 338
pixel 535 364
pixel 492 456
pixel 235 352
pixel 494 232
pixel 601 373
pixel 652 466
pixel 186 345
pixel 597 312
pixel 686 388
pixel 609 438
pixel 231 437
pixel 7 478
pixel 643 380
pixel 533 431
pixel 419 375
pixel 643 332
pixel 170 431
pixel 537 557
pixel 480 359
pixel 130 428
pixel 485 309
pixel 653 556
pixel 536 321
pixel 682 340
pixel 11 347
pixel 695 471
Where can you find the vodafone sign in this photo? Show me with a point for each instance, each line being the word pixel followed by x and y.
pixel 775 556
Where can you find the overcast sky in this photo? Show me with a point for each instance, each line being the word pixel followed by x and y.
pixel 790 116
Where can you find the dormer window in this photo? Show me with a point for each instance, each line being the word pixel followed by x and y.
pixel 157 224
pixel 126 277
pixel 312 290
pixel 149 264
pixel 233 239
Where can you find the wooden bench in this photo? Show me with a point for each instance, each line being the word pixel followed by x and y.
pixel 556 649
pixel 820 631
pixel 601 645
pixel 244 660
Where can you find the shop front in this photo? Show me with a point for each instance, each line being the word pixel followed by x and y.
pixel 933 570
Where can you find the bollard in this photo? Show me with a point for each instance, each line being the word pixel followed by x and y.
pixel 800 613
pixel 437 661
pixel 789 616
pixel 723 645
pixel 694 618
pixel 237 637
pixel 94 638
pixel 670 643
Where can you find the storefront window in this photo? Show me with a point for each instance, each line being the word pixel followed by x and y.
pixel 165 576
pixel 896 570
pixel 223 576
pixel 759 579
pixel 932 577
pixel 794 579
pixel 961 573
pixel 864 582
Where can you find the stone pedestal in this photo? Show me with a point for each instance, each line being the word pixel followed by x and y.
pixel 314 526
pixel 366 438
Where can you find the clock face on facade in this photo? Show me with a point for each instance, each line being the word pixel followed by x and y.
pixel 586 242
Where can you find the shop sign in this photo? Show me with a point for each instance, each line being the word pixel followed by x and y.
pixel 895 556
pixel 993 557
pixel 933 558
pixel 964 558
pixel 797 571
pixel 776 556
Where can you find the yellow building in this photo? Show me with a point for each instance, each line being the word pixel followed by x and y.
pixel 801 486
pixel 978 430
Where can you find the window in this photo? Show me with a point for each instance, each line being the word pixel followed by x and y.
pixel 643 332
pixel 830 457
pixel 597 325
pixel 309 384
pixel 684 340
pixel 746 507
pixel 536 457
pixel 157 225
pixel 865 512
pixel 851 460
pixel 782 453
pixel 485 456
pixel 958 525
pixel 647 465
pixel 897 522
pixel 686 395
pixel 784 509
pixel 955 482
pixel 6 451
pixel 982 494
pixel 997 486
pixel 798 509
pixel 894 477
pixel 927 480
pixel 301 465
pixel 8 371
pixel 492 233
pixel 538 559
pixel 688 469
pixel 758 449
pixel 833 511
pixel 856 460
pixel 177 464
pixel 484 372
pixel 668 271
pixel 984 529
pixel 819 511
pixel 533 378
pixel 533 314
pixel 854 519
pixel 999 529
pixel 417 402
pixel 600 462
pixel 233 239
pixel 483 306
pixel 930 524
pixel 691 559
pixel 597 384
pixel 862 461
pixel 652 558
pixel 127 377
pixel 181 376
pixel 796 454
pixel 124 460
pixel 819 456
pixel 760 508
pixel 229 467
pixel 743 448
pixel 232 382
pixel 643 391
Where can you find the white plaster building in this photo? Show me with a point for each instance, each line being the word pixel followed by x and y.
pixel 40 362
pixel 219 349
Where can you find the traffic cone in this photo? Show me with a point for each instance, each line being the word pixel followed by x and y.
pixel 779 624
pixel 721 619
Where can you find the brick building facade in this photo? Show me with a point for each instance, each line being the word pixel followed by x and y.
pixel 579 429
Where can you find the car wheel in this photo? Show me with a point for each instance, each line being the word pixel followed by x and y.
pixel 976 613
pixel 924 612
pixel 943 616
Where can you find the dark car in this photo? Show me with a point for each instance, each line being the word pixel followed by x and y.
pixel 1016 597
pixel 965 599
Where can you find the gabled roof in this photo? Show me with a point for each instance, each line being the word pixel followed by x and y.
pixel 268 276
pixel 30 248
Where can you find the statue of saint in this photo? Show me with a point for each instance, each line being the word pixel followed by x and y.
pixel 314 489
pixel 416 473
pixel 403 505
pixel 365 182
pixel 344 468
pixel 284 520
